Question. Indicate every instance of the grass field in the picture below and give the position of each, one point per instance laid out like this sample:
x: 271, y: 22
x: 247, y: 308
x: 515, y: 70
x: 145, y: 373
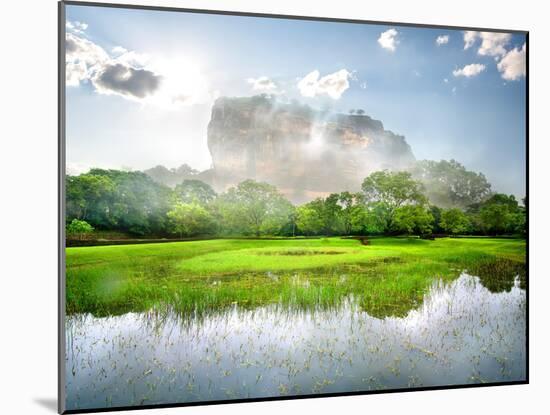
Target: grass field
x: 387, y: 277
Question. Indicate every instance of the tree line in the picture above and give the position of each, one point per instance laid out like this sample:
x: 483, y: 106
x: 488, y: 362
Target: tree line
x: 389, y: 203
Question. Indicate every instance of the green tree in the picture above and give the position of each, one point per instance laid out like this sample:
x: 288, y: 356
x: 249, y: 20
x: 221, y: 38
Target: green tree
x: 391, y: 191
x: 331, y: 212
x: 495, y: 218
x: 309, y: 220
x: 128, y: 201
x: 88, y: 197
x: 449, y: 184
x: 78, y: 229
x: 254, y: 208
x: 499, y: 214
x: 376, y: 221
x: 436, y: 213
x: 454, y: 221
x: 190, y: 219
x: 192, y: 189
x: 412, y: 219
x: 323, y: 216
x: 355, y: 217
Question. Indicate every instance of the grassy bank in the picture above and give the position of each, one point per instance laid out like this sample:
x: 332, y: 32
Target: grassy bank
x: 387, y: 277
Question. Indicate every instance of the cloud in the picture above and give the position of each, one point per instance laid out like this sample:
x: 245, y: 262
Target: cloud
x: 132, y: 58
x: 119, y: 50
x: 126, y: 81
x: 469, y: 38
x: 76, y: 27
x: 513, y: 66
x: 263, y: 84
x: 470, y: 70
x: 492, y: 43
x: 333, y: 85
x: 83, y: 59
x: 388, y: 39
x: 134, y: 76
x: 442, y: 40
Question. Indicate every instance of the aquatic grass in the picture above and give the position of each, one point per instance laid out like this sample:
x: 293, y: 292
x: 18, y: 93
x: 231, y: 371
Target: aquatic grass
x: 388, y: 277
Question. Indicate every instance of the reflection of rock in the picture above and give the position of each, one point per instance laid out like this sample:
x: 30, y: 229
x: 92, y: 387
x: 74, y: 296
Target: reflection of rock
x: 306, y: 153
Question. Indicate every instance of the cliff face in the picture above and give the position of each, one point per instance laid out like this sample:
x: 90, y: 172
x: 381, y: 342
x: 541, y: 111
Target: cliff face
x: 305, y: 153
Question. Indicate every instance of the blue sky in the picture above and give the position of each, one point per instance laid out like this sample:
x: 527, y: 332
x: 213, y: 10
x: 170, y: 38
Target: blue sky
x: 462, y: 97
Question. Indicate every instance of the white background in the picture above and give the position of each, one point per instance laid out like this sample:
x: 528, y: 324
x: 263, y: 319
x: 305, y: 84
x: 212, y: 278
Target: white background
x: 28, y: 204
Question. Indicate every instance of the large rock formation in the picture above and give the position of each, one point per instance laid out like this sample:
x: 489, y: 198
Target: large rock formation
x: 305, y: 153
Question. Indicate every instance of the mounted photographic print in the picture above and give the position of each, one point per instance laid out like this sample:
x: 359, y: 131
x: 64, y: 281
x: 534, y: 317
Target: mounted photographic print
x: 258, y: 207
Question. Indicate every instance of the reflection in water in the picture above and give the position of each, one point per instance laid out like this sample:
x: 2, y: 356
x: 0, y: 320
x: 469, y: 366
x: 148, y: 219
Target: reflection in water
x: 461, y: 334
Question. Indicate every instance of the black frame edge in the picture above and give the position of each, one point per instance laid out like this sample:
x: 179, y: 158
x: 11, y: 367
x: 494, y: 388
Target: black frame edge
x: 286, y: 16
x: 61, y: 209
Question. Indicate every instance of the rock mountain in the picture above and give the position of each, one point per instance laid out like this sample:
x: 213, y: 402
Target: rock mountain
x: 306, y: 153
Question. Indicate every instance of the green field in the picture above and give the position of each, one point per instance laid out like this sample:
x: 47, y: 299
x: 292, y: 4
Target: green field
x: 387, y: 277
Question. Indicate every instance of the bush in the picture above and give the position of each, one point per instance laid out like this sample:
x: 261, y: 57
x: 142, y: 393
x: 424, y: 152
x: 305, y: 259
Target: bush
x: 78, y: 229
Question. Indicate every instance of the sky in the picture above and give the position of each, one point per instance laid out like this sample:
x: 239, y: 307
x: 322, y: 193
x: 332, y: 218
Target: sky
x: 141, y: 84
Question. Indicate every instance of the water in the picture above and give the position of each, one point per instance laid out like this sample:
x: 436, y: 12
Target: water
x: 462, y: 333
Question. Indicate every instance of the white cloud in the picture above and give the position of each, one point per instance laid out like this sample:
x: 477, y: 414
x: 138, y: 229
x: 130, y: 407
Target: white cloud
x: 263, y: 84
x: 134, y: 76
x: 470, y: 70
x: 492, y: 43
x: 333, y: 85
x: 513, y: 66
x: 363, y: 85
x: 445, y: 80
x: 83, y: 59
x: 119, y: 50
x: 76, y: 27
x: 442, y: 40
x: 469, y: 39
x: 132, y: 58
x: 389, y: 39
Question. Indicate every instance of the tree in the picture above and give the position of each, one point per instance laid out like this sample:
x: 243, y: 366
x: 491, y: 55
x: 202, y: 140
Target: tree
x: 309, y: 220
x: 190, y: 190
x: 436, y: 214
x: 454, y: 221
x: 500, y: 214
x: 171, y: 177
x: 119, y: 200
x: 495, y: 218
x: 360, y: 111
x: 88, y: 197
x: 331, y: 212
x: 139, y: 204
x: 79, y: 229
x: 353, y: 213
x: 391, y: 191
x: 412, y: 219
x: 449, y: 184
x: 254, y: 208
x: 323, y: 216
x: 190, y: 219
